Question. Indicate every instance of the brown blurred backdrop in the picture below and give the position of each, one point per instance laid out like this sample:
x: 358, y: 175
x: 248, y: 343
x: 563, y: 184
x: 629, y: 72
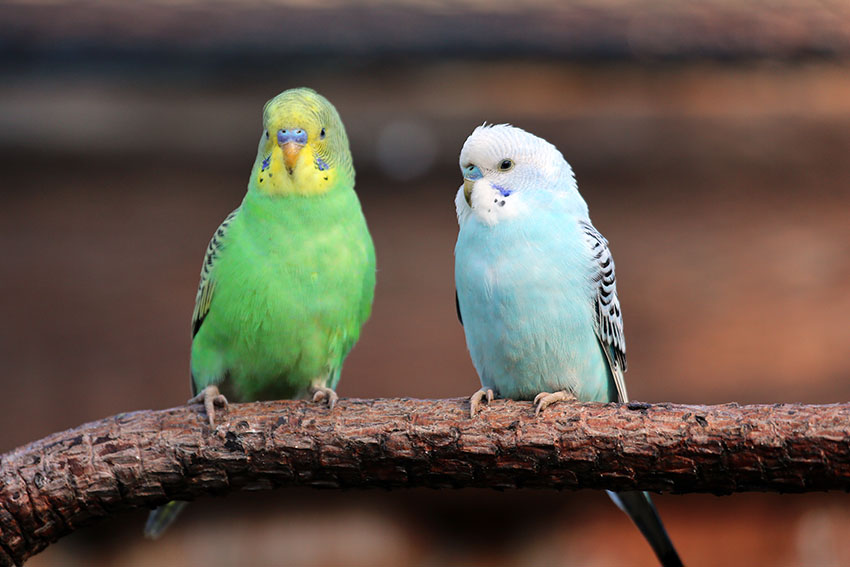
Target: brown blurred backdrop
x: 712, y: 144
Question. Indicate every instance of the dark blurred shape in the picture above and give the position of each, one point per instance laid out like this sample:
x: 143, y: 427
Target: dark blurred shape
x: 216, y: 36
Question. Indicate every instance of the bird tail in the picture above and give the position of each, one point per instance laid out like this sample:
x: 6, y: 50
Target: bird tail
x: 639, y: 507
x: 162, y: 517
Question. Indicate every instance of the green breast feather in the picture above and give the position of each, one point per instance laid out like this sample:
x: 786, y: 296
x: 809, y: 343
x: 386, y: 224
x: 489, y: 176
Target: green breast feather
x: 286, y: 286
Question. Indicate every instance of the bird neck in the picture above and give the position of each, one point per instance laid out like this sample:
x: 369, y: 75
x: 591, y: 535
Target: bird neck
x: 264, y: 211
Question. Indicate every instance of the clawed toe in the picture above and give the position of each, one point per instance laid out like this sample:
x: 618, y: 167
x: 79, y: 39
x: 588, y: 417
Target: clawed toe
x: 327, y: 395
x: 477, y: 400
x: 539, y: 396
x: 545, y: 399
x: 210, y: 397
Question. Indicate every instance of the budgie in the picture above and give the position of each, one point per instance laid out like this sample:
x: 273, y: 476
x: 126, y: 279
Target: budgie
x: 536, y: 291
x: 289, y: 277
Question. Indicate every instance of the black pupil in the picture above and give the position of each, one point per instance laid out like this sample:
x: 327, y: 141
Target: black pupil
x: 322, y: 133
x: 506, y: 164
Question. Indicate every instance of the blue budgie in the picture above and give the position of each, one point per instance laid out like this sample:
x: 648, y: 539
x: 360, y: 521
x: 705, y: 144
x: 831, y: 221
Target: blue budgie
x: 536, y: 292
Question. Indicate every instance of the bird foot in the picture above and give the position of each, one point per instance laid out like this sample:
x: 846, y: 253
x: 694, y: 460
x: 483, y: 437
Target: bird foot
x: 210, y: 397
x: 476, y: 400
x: 323, y: 394
x: 545, y: 399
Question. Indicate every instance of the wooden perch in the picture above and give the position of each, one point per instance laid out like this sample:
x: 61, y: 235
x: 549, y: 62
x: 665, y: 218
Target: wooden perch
x: 53, y: 486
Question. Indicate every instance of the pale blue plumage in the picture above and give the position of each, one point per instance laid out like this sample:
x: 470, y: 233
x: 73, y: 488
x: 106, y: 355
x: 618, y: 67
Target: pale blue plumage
x: 536, y: 289
x: 526, y: 290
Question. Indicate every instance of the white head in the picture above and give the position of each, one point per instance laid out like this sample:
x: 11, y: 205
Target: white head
x: 505, y: 169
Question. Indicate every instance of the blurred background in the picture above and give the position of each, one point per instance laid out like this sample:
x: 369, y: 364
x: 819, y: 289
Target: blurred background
x: 711, y: 141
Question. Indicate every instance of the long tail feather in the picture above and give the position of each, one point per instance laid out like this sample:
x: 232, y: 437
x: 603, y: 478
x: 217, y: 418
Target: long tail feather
x: 639, y: 507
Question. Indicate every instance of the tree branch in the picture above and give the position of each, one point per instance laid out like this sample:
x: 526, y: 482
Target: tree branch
x: 53, y: 486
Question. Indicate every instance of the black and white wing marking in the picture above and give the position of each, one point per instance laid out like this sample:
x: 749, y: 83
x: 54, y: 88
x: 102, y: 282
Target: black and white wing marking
x: 608, y: 317
x: 206, y: 287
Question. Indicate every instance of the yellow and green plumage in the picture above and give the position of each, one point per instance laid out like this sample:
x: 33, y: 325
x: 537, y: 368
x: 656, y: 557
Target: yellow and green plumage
x: 289, y: 276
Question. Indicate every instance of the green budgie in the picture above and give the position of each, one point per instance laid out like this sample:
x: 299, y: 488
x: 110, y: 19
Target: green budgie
x: 289, y: 276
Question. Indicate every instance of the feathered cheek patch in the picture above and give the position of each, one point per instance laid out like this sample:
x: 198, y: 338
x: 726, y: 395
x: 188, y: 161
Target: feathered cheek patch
x: 490, y: 202
x: 500, y: 198
x: 504, y: 192
x: 486, y: 190
x: 481, y: 194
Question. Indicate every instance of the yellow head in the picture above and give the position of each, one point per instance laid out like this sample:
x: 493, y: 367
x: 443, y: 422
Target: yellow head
x: 303, y: 149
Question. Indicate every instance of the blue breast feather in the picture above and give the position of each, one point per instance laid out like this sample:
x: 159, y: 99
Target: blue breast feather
x: 526, y: 295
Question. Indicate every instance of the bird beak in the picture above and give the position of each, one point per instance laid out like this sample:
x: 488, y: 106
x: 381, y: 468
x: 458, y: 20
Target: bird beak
x: 291, y: 151
x: 291, y: 141
x: 467, y: 190
x: 471, y: 174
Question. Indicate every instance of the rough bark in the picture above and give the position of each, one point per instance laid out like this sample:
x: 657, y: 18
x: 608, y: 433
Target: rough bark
x: 50, y: 487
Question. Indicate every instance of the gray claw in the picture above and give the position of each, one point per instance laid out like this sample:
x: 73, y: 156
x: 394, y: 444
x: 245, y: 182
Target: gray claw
x: 475, y: 401
x: 210, y: 397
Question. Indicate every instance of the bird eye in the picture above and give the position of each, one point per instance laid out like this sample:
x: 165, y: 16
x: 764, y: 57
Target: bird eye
x: 267, y: 133
x: 322, y: 134
x: 506, y: 165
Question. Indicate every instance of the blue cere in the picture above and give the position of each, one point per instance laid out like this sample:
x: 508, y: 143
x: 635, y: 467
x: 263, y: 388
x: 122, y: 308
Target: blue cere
x: 297, y: 135
x: 472, y: 172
